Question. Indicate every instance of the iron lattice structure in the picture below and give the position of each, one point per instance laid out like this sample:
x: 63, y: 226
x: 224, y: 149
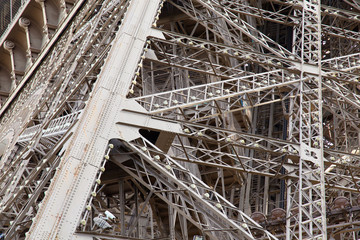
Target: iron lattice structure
x: 180, y: 119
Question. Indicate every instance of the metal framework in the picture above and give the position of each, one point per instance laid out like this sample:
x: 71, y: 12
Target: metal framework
x: 180, y: 119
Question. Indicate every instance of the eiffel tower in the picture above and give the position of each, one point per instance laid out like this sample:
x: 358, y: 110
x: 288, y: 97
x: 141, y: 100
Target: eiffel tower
x: 179, y: 119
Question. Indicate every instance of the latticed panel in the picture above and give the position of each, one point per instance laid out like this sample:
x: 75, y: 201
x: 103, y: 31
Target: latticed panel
x: 8, y: 11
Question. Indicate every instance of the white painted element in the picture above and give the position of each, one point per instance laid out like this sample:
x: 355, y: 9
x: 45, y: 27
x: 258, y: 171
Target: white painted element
x: 129, y: 122
x: 56, y: 127
x: 150, y: 54
x: 157, y: 33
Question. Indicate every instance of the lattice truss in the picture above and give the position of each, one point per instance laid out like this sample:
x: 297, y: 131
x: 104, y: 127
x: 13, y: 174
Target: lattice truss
x: 246, y: 117
x: 55, y: 97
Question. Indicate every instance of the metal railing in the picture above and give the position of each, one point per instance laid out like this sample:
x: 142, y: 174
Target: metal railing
x: 56, y: 126
x: 9, y: 10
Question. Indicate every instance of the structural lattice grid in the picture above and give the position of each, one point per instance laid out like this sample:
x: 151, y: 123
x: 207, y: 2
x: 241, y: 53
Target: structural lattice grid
x: 9, y: 10
x: 216, y: 119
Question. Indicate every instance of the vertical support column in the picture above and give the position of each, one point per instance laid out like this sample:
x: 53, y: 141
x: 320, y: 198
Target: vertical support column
x: 171, y: 219
x: 151, y: 223
x: 122, y: 206
x: 290, y: 229
x: 184, y: 226
x: 247, y: 207
x: 45, y: 26
x: 63, y: 8
x: 136, y: 211
x: 306, y: 200
x: 24, y: 23
x: 9, y: 46
x: 265, y: 203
